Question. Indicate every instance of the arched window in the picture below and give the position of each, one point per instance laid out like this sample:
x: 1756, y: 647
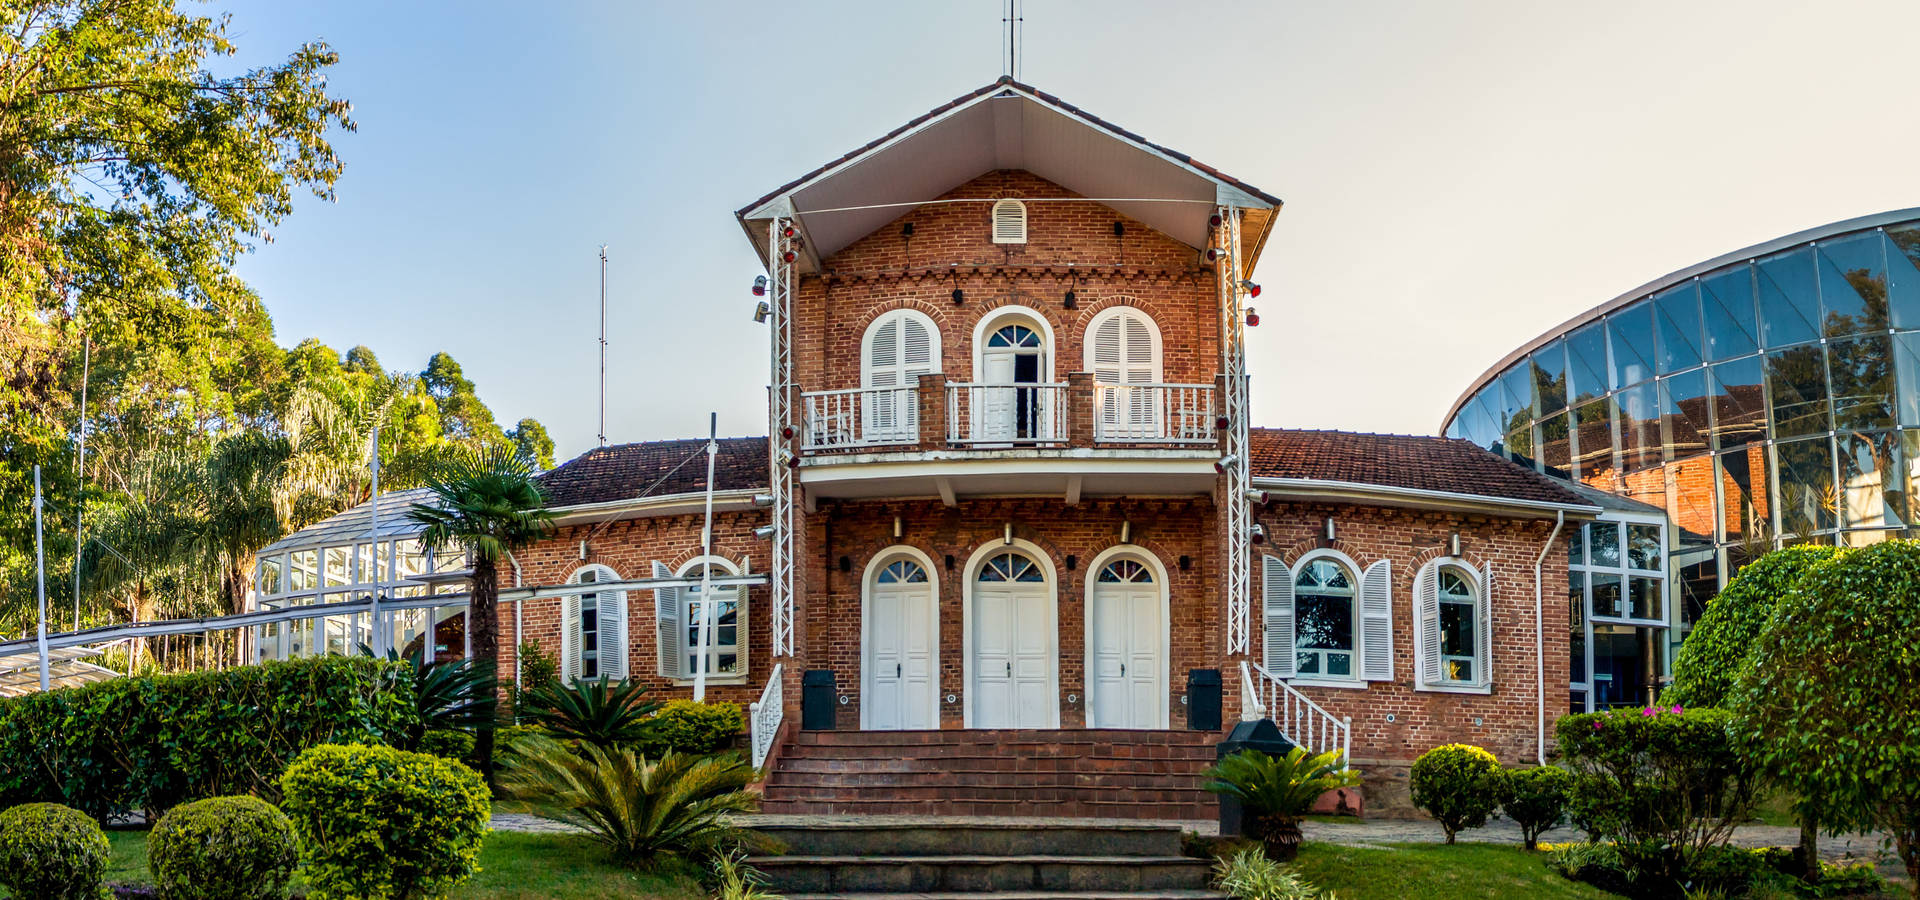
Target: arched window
x: 898, y: 348
x: 1454, y: 625
x: 902, y: 571
x: 1011, y: 567
x: 726, y: 651
x: 1324, y: 595
x: 1009, y: 222
x: 1123, y: 353
x: 593, y: 628
x: 1126, y: 571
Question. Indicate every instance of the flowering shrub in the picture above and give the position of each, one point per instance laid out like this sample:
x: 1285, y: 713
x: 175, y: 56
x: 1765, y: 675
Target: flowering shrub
x: 1458, y: 784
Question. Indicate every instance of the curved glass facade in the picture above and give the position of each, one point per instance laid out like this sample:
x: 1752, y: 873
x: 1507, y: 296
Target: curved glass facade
x: 1769, y: 397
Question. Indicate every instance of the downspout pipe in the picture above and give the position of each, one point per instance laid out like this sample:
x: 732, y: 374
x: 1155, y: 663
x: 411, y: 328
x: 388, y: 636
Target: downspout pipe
x: 1540, y: 641
x: 519, y: 620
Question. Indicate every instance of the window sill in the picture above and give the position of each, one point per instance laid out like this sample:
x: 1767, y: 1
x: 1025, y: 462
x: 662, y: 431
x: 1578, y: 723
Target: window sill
x: 1298, y: 681
x: 714, y: 680
x: 1482, y: 689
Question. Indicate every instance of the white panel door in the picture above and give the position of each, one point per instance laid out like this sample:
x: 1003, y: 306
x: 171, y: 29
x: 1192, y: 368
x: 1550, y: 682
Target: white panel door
x: 996, y: 620
x: 1033, y: 639
x: 900, y: 657
x: 1127, y: 665
x: 994, y: 411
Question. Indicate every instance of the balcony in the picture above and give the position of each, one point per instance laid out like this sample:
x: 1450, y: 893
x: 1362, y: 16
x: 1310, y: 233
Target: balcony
x: 941, y: 415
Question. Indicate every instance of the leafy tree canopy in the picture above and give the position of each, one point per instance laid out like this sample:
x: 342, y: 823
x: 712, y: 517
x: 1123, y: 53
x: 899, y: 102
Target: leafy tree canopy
x: 1718, y: 647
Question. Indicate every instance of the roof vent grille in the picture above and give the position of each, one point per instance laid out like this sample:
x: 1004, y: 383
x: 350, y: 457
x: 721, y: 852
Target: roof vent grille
x: 1009, y: 222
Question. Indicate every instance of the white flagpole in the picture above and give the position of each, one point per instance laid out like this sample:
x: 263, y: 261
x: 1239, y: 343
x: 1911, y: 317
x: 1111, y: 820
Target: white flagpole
x: 378, y: 636
x: 701, y: 662
x: 40, y: 562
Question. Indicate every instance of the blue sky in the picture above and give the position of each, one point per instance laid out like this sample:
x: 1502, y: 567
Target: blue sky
x: 1467, y: 173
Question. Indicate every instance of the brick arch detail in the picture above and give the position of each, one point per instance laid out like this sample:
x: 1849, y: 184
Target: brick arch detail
x: 1093, y: 307
x: 1473, y: 557
x: 1297, y: 549
x: 919, y: 305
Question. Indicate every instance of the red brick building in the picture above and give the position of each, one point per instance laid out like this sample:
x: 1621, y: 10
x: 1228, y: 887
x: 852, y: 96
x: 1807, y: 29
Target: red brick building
x: 1010, y: 499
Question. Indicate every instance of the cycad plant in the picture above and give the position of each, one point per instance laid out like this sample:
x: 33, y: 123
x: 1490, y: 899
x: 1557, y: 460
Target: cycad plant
x: 599, y: 711
x: 641, y: 810
x: 451, y: 695
x: 1276, y: 792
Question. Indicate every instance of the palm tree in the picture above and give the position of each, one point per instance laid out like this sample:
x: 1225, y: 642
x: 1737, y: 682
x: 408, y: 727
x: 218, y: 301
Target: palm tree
x: 488, y: 502
x: 241, y: 487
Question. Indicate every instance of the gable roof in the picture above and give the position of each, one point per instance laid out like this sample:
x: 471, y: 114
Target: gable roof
x: 1400, y: 462
x: 658, y: 468
x: 1007, y: 125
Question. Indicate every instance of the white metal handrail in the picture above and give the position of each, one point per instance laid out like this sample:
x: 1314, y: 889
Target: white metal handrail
x: 1006, y: 413
x: 1302, y: 721
x: 764, y: 717
x: 1153, y: 413
x: 859, y: 417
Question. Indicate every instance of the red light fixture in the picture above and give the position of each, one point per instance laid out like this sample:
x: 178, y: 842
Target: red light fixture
x: 1214, y: 254
x: 788, y: 231
x: 760, y: 286
x: 1220, y: 422
x: 788, y: 256
x: 1253, y: 290
x: 786, y: 433
x: 1213, y: 221
x: 1253, y: 318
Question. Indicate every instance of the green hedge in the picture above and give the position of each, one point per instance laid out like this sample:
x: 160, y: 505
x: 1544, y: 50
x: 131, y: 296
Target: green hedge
x: 150, y: 742
x: 385, y: 824
x: 685, y: 726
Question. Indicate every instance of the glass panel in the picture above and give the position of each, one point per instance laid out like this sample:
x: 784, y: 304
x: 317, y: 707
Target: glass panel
x: 1789, y: 302
x: 1549, y: 367
x: 1697, y: 585
x: 449, y: 559
x: 1863, y: 385
x: 1906, y: 358
x: 1807, y: 498
x: 303, y: 570
x: 1726, y: 305
x: 1677, y: 322
x: 1630, y: 332
x: 337, y: 559
x: 1554, y: 445
x: 1603, y: 545
x: 1739, y: 402
x: 1594, y: 442
x: 1456, y: 640
x: 1519, y: 446
x: 1577, y: 546
x: 1797, y: 386
x: 1639, y: 413
x: 1684, y: 423
x: 1577, y: 701
x: 412, y: 560
x: 1902, y: 246
x: 1643, y: 599
x: 1577, y: 626
x: 1853, y: 285
x: 1644, y: 550
x: 1873, y: 493
x: 1626, y: 664
x: 1516, y: 398
x: 269, y: 582
x: 1479, y: 426
x: 1606, y: 595
x: 1691, y: 504
x: 1587, y: 363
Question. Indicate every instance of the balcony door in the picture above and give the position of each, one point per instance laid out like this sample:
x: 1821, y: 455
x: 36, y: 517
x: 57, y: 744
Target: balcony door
x: 900, y: 346
x: 1123, y: 353
x: 1010, y: 408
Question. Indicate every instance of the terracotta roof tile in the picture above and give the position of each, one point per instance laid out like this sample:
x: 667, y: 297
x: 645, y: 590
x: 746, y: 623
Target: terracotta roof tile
x: 1398, y: 460
x: 657, y: 468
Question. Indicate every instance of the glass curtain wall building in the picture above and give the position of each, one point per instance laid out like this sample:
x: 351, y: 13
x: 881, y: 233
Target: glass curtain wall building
x: 1767, y: 397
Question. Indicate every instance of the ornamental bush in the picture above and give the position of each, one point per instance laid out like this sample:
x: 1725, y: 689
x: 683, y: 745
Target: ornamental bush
x: 1458, y: 785
x: 1827, y: 708
x: 456, y: 745
x: 150, y: 742
x: 384, y: 824
x: 223, y: 848
x: 52, y: 852
x: 1664, y: 783
x: 1719, y: 645
x: 1535, y: 799
x: 686, y: 726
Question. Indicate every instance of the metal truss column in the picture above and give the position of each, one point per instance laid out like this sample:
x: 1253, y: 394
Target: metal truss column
x: 781, y: 253
x: 1233, y: 362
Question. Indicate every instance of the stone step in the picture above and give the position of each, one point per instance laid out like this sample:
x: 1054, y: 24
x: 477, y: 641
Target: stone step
x: 1013, y: 806
x: 1024, y: 895
x: 898, y: 838
x: 1037, y: 753
x: 996, y: 765
x: 1103, y: 875
x: 998, y: 779
x: 915, y: 791
x: 1011, y: 735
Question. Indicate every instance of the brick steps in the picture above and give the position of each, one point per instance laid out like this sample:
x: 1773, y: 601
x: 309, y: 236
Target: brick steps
x: 1059, y: 773
x: 980, y: 874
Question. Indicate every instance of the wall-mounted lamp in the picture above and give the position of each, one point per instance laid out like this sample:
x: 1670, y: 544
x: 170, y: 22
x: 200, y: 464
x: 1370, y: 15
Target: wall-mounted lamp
x: 1070, y: 301
x: 583, y: 550
x: 1330, y: 528
x: 1214, y: 254
x: 1253, y: 317
x: 1226, y: 462
x: 1257, y: 534
x: 1126, y: 532
x: 759, y: 285
x: 1258, y: 496
x: 1119, y: 229
x: 899, y: 528
x: 761, y: 312
x: 1007, y: 538
x: 1073, y: 562
x: 763, y: 500
x: 1186, y: 562
x: 1453, y: 544
x: 906, y: 230
x: 764, y: 532
x: 1253, y: 290
x: 959, y: 296
x: 949, y: 562
x: 846, y: 564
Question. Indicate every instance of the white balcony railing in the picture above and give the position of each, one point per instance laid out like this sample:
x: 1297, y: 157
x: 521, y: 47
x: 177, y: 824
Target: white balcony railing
x: 764, y: 717
x: 859, y: 417
x: 1010, y: 414
x: 1304, y: 722
x: 1153, y: 413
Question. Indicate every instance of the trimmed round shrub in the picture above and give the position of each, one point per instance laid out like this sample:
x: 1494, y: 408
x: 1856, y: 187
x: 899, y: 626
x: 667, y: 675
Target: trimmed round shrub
x: 1458, y: 785
x: 448, y: 744
x: 1536, y: 800
x: 686, y: 726
x: 1718, y: 647
x: 223, y: 848
x: 375, y: 822
x: 52, y: 852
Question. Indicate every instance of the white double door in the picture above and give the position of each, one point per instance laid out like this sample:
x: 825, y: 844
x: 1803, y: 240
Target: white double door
x: 902, y: 690
x: 1127, y: 683
x: 1014, y: 649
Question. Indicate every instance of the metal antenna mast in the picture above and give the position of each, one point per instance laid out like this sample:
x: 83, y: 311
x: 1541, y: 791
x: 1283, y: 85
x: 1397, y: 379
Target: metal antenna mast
x: 603, y: 345
x: 1011, y: 52
x: 40, y: 569
x: 80, y: 477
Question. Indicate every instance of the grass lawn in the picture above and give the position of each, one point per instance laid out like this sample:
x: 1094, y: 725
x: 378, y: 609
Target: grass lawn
x: 514, y: 866
x: 1436, y: 872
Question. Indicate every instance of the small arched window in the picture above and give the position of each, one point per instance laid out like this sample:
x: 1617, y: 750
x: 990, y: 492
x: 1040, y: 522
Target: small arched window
x: 593, y: 629
x: 1454, y: 625
x: 904, y: 571
x: 1011, y: 567
x: 1009, y: 222
x: 899, y: 347
x: 1126, y: 571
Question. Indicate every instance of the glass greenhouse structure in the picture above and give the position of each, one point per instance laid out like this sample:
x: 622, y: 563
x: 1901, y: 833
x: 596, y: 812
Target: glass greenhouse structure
x: 344, y: 558
x: 1767, y: 397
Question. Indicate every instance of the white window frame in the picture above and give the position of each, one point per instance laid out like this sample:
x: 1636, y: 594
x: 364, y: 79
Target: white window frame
x: 721, y: 566
x: 1357, y: 676
x: 610, y: 631
x: 1427, y: 645
x: 891, y: 411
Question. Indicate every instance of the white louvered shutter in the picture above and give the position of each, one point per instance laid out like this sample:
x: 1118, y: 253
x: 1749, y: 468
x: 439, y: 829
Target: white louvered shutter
x: 1484, y: 640
x: 613, y: 634
x: 1376, y: 622
x: 570, y: 637
x: 1426, y: 606
x: 901, y: 349
x: 1123, y: 353
x: 1009, y: 222
x: 669, y: 605
x: 1276, y: 582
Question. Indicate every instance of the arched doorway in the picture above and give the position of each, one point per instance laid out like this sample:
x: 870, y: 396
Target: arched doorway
x: 900, y: 641
x: 1012, y: 640
x: 1013, y: 359
x: 1127, y: 642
